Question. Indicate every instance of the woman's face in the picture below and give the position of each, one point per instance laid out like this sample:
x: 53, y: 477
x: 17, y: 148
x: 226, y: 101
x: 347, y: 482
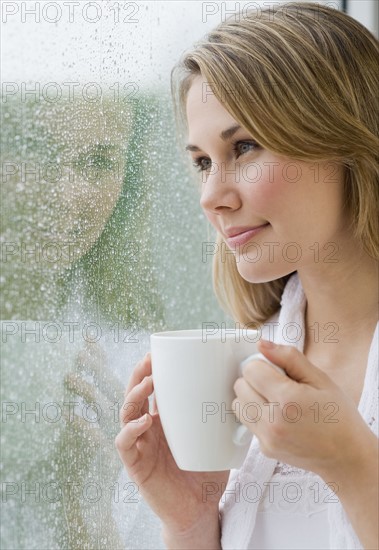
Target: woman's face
x: 62, y: 208
x: 244, y: 186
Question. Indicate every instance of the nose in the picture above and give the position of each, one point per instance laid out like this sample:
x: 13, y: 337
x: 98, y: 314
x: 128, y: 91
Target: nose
x: 219, y: 191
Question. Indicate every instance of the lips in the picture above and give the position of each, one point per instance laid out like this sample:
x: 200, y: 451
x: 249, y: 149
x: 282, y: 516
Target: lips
x: 240, y: 236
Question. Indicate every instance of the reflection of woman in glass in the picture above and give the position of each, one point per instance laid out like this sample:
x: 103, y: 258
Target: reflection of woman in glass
x: 72, y: 257
x: 282, y: 121
x: 74, y: 195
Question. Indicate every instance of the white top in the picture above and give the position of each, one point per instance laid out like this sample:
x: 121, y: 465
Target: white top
x: 292, y: 512
x: 238, y: 515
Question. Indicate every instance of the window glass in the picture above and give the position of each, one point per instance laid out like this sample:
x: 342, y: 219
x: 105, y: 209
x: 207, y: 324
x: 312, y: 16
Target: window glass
x: 102, y: 243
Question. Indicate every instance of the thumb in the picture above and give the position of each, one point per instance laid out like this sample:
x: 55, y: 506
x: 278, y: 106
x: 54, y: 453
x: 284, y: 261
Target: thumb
x: 154, y: 408
x: 293, y: 362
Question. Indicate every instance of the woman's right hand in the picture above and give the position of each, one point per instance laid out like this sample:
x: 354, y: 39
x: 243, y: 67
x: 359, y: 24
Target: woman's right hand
x: 181, y: 499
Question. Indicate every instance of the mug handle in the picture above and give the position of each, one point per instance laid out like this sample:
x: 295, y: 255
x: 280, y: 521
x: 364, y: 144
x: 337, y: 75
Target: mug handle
x: 242, y: 435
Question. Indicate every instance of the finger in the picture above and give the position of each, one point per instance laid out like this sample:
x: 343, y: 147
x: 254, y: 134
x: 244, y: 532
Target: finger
x: 105, y: 379
x: 96, y: 409
x: 90, y: 393
x: 142, y: 369
x: 296, y: 365
x: 265, y: 380
x: 249, y: 406
x: 246, y: 393
x: 136, y: 402
x: 93, y: 360
x: 90, y: 357
x: 250, y: 403
x: 154, y: 407
x: 75, y: 383
x: 126, y: 439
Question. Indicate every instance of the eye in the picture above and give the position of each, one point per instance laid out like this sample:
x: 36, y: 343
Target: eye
x: 244, y: 146
x: 240, y: 147
x: 100, y: 156
x: 200, y: 165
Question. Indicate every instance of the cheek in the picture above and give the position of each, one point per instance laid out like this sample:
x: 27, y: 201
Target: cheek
x: 268, y: 190
x: 299, y: 198
x: 211, y: 218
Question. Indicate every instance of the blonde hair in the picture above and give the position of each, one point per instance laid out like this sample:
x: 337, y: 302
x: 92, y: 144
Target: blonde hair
x: 302, y: 78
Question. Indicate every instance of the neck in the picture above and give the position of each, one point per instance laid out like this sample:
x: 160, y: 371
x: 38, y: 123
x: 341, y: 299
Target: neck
x: 342, y: 299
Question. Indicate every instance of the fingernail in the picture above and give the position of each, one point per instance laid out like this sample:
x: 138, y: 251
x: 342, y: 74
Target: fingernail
x: 268, y: 344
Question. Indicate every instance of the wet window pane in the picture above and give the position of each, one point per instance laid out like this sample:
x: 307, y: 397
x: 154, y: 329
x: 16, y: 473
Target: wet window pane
x: 102, y: 242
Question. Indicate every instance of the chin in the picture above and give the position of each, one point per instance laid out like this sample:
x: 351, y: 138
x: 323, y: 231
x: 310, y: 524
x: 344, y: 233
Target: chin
x: 265, y: 273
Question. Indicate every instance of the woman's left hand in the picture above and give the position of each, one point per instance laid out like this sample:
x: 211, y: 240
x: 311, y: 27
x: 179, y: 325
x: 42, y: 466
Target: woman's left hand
x: 303, y: 419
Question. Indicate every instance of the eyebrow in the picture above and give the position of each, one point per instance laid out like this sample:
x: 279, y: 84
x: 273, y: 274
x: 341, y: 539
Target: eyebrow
x: 225, y: 135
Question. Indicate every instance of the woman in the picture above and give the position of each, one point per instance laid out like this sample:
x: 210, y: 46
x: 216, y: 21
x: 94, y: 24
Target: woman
x: 65, y: 269
x: 281, y: 117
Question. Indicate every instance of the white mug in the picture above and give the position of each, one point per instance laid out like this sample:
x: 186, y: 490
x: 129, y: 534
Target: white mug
x: 193, y: 375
